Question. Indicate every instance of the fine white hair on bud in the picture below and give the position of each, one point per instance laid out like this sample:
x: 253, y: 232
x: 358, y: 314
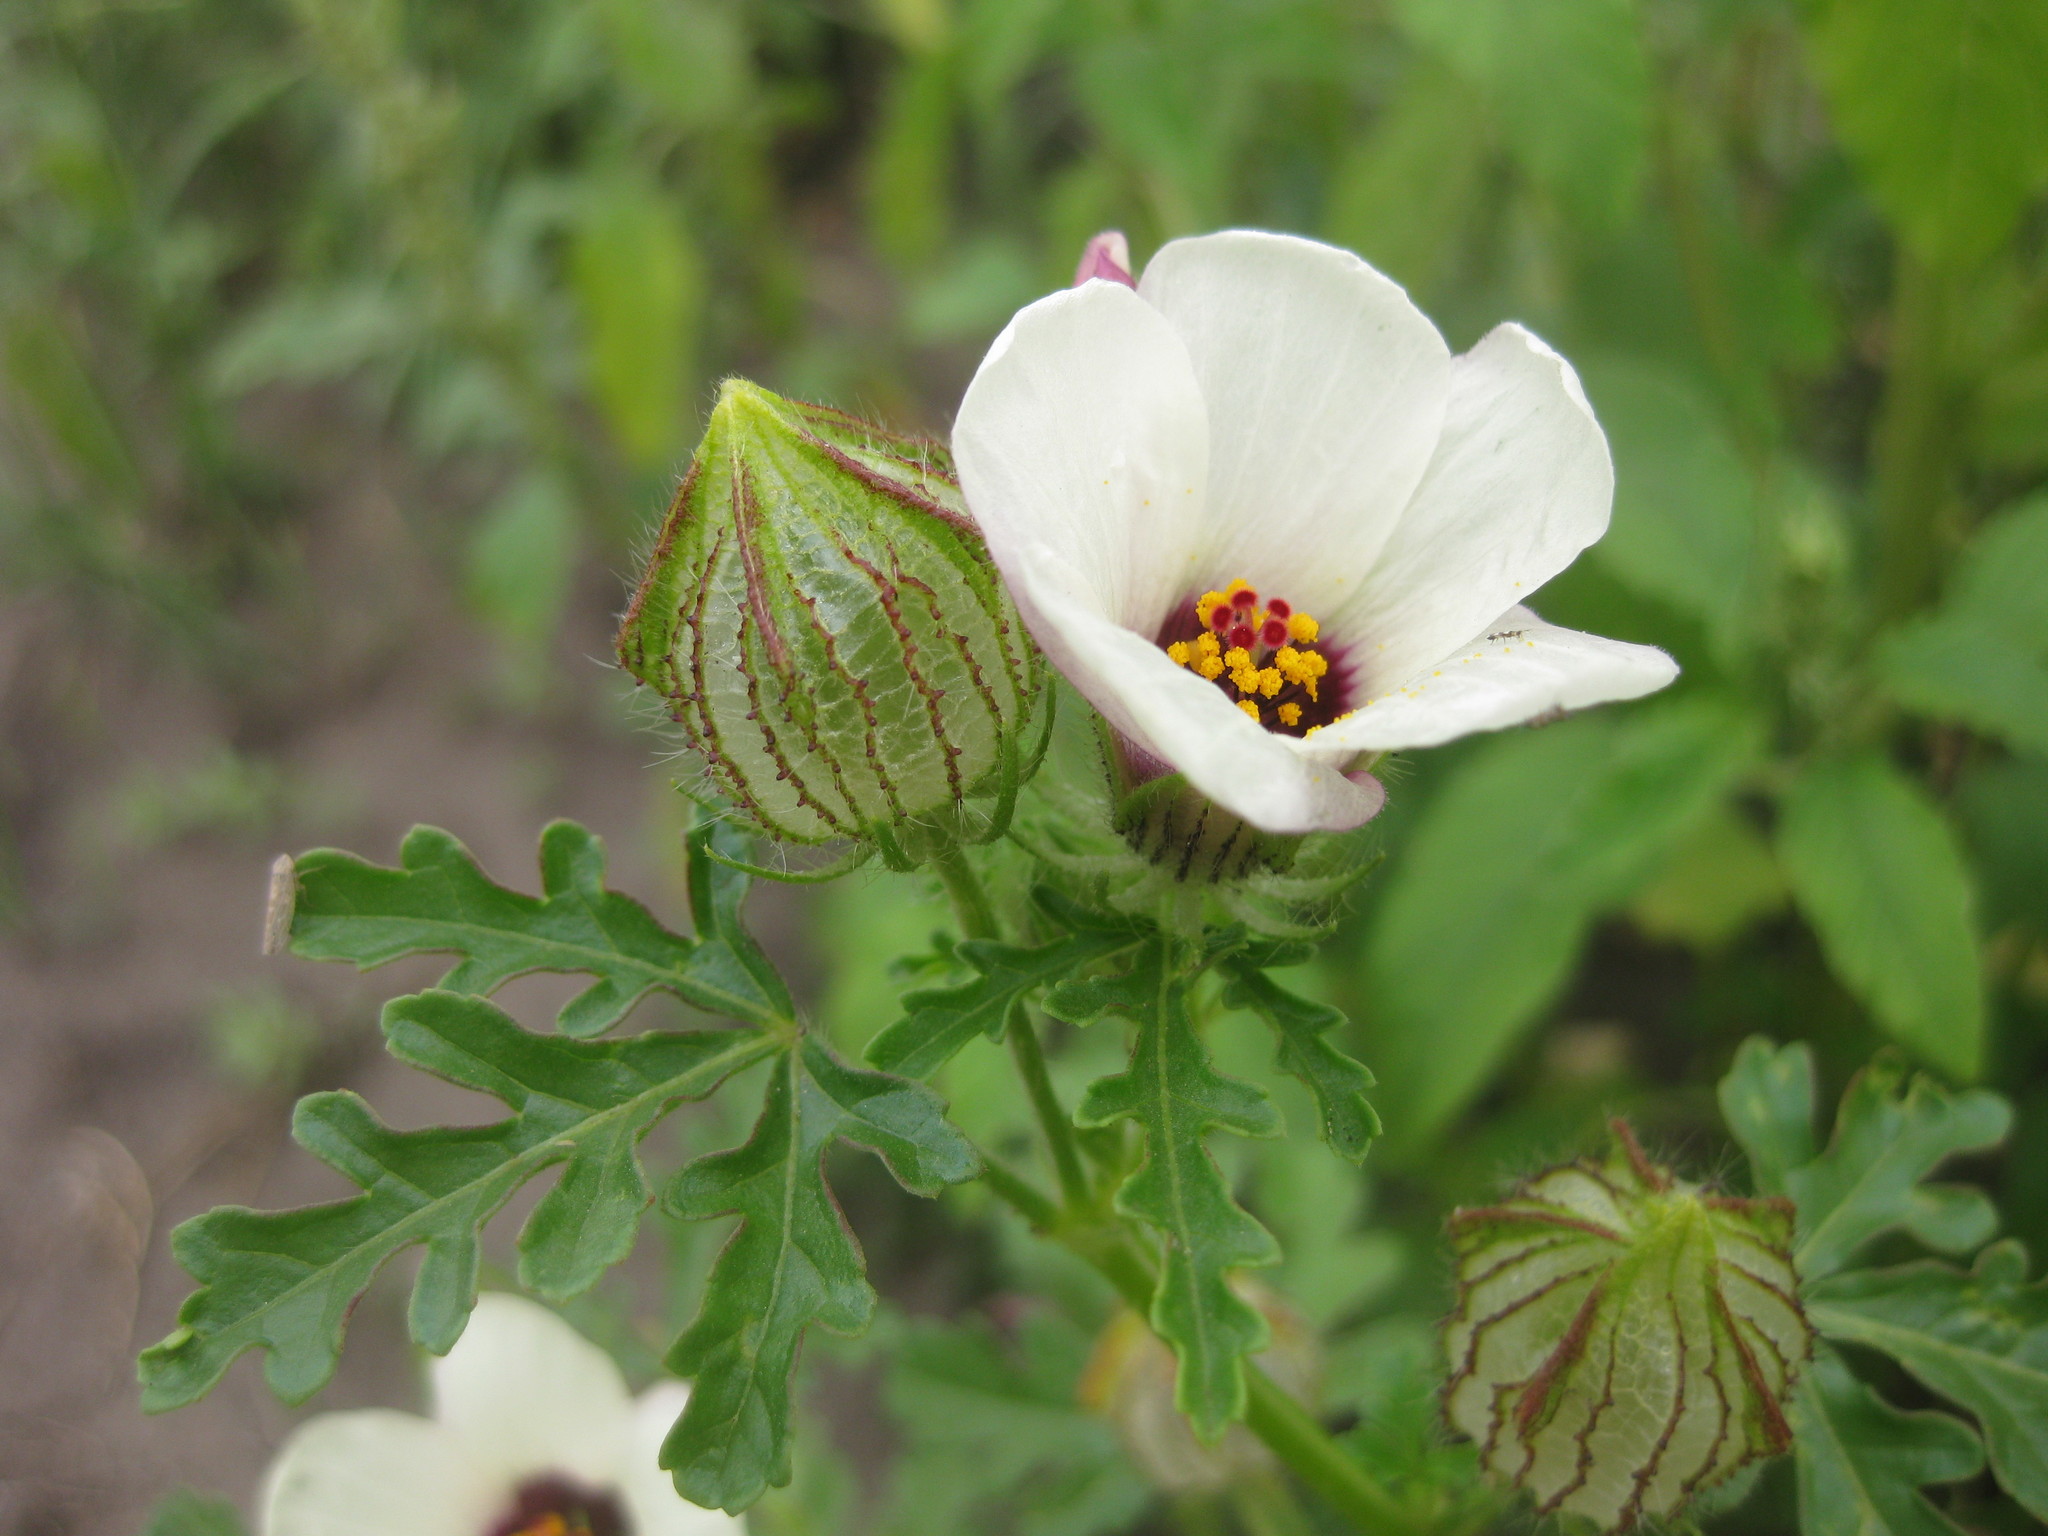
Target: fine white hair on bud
x: 1622, y: 1339
x: 827, y: 630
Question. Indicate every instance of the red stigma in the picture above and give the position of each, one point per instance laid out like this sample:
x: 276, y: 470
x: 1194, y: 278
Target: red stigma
x: 1274, y: 632
x: 1279, y: 608
x: 1220, y: 618
x: 1241, y: 637
x: 1244, y: 598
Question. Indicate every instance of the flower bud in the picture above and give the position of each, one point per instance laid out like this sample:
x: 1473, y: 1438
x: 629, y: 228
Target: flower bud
x: 1622, y: 1339
x: 1107, y: 256
x: 827, y: 629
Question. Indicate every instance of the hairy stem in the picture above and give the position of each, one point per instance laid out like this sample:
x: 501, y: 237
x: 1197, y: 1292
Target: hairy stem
x: 1057, y: 1124
x: 1020, y: 1195
x: 1291, y: 1433
x: 977, y: 918
x: 971, y: 906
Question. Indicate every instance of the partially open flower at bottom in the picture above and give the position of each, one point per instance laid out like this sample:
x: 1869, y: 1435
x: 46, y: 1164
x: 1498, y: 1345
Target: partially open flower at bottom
x: 533, y: 1434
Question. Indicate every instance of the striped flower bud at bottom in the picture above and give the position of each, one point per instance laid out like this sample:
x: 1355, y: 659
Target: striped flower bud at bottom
x: 828, y: 631
x: 1623, y: 1340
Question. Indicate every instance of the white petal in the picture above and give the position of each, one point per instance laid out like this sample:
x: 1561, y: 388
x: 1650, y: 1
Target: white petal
x: 1083, y: 450
x: 1519, y: 669
x: 1519, y: 484
x: 650, y: 1494
x: 1185, y: 721
x: 530, y: 1394
x: 378, y: 1473
x: 1325, y: 390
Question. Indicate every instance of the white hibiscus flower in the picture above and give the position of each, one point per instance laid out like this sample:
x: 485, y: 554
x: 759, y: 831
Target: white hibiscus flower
x: 533, y: 1434
x: 1261, y: 517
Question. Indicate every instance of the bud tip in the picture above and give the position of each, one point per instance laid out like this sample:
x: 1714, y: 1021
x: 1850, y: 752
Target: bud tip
x: 1107, y: 256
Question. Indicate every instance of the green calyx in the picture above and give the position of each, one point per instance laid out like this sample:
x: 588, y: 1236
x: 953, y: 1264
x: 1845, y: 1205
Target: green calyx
x: 830, y: 634
x: 1623, y: 1340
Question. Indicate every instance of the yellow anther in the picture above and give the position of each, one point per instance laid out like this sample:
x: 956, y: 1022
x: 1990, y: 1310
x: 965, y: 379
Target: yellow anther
x: 1315, y: 663
x: 1181, y: 652
x: 1210, y: 666
x: 1270, y: 681
x: 1246, y: 679
x: 1208, y: 644
x: 1236, y: 586
x: 1290, y: 715
x: 1237, y: 658
x: 1249, y: 708
x: 1302, y: 628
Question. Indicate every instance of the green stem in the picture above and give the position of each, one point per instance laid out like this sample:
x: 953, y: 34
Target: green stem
x: 1021, y: 1196
x: 977, y: 918
x: 1291, y: 1433
x: 1057, y: 1124
x: 1910, y: 456
x: 964, y: 889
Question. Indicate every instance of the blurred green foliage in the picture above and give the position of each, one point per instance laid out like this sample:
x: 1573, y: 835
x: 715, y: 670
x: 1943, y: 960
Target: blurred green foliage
x: 1798, y: 248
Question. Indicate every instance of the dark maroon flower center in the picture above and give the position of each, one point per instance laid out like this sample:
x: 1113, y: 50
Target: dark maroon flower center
x: 554, y: 1505
x: 1266, y: 657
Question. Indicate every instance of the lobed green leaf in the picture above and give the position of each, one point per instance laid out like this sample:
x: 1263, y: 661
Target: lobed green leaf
x: 1862, y: 1463
x: 793, y: 1261
x: 1891, y: 1132
x: 1767, y: 1100
x: 440, y: 901
x: 1979, y: 1338
x: 1301, y: 1027
x: 285, y: 1281
x: 1176, y: 1096
x: 938, y: 1021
